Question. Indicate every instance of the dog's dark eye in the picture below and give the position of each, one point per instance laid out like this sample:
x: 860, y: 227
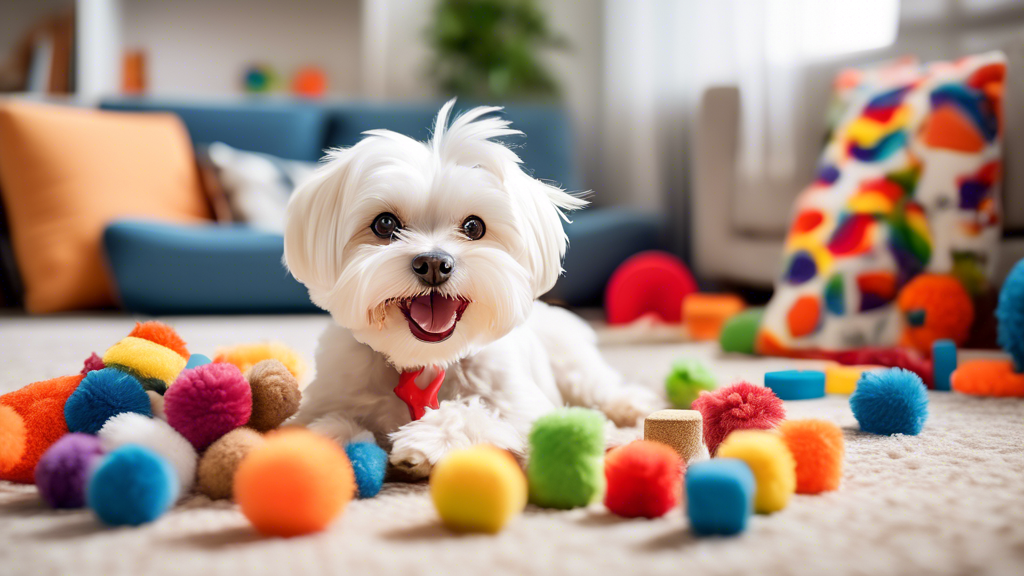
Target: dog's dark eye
x: 385, y: 225
x: 474, y: 228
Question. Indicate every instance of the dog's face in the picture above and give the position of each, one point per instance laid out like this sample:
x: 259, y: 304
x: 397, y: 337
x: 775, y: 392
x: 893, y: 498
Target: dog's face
x: 427, y: 251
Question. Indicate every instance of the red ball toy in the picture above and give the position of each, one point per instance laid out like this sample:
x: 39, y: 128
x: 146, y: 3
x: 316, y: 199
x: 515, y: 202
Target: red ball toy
x: 648, y: 282
x: 207, y: 402
x: 644, y: 479
x: 739, y: 406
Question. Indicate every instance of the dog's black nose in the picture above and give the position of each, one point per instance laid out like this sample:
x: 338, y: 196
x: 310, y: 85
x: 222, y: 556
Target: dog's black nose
x: 433, y: 268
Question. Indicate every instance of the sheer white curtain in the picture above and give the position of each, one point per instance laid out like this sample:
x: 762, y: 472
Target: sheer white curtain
x: 661, y: 54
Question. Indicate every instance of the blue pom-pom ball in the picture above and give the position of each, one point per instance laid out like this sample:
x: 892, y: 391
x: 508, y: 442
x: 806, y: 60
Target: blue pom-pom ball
x: 893, y: 401
x: 1010, y: 314
x: 131, y: 486
x: 369, y: 462
x: 102, y: 394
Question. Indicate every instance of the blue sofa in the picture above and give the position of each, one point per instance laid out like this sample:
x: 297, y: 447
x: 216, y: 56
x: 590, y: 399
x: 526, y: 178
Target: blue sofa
x: 176, y: 269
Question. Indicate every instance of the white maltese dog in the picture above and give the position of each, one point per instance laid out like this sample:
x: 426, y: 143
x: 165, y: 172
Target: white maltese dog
x: 430, y: 257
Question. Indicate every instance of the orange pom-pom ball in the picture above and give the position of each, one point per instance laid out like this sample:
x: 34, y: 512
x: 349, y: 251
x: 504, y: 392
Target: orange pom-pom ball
x: 162, y: 334
x: 817, y: 447
x: 935, y: 307
x: 41, y: 408
x: 296, y: 483
x: 12, y: 437
x: 988, y: 378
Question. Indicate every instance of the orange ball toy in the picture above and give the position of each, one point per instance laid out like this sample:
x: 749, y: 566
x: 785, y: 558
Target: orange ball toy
x: 32, y: 419
x: 817, y: 447
x: 297, y: 482
x: 935, y: 307
x: 988, y: 378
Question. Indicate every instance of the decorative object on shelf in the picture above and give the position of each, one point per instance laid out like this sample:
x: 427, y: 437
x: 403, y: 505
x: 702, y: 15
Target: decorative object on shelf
x: 310, y: 82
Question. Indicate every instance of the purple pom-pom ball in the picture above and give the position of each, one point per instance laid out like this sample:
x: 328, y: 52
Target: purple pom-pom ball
x: 207, y: 402
x: 63, y: 471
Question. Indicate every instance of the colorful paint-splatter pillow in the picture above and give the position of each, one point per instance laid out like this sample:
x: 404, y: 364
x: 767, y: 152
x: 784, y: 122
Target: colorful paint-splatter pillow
x: 908, y: 182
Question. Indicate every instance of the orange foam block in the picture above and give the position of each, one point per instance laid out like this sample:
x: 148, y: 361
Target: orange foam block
x: 705, y: 314
x: 31, y: 420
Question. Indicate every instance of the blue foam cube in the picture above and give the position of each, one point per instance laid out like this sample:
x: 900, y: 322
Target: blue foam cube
x: 943, y: 363
x: 719, y: 496
x: 197, y: 360
x: 796, y: 384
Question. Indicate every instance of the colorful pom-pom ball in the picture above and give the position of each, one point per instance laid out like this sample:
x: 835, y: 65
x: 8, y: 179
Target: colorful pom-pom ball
x: 131, y: 486
x: 740, y: 332
x: 154, y: 365
x: 369, y: 463
x: 935, y: 307
x: 719, y: 496
x: 478, y: 489
x: 158, y: 436
x: 63, y: 472
x: 275, y: 394
x: 817, y: 448
x: 771, y: 462
x: 219, y: 463
x: 739, y: 406
x: 650, y: 282
x: 1010, y: 315
x: 296, y: 483
x: 644, y: 479
x: 31, y: 420
x: 893, y: 401
x: 565, y: 469
x: 988, y: 377
x: 102, y: 395
x: 689, y: 377
x: 207, y: 402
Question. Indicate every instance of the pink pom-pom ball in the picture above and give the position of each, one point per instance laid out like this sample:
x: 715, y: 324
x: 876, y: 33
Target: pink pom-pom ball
x: 739, y: 406
x: 207, y: 402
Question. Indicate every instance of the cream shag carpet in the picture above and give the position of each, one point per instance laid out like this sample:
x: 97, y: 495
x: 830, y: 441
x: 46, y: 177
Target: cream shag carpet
x: 950, y: 501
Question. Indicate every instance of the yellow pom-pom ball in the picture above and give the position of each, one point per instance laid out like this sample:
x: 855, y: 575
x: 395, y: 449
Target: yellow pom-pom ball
x: 478, y: 489
x: 295, y: 483
x: 154, y: 365
x: 245, y: 356
x: 771, y: 462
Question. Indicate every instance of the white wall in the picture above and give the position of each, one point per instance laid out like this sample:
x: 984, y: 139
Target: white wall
x: 204, y: 48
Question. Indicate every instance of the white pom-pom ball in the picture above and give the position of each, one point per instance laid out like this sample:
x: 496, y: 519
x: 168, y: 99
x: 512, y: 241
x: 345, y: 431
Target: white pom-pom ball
x: 158, y: 436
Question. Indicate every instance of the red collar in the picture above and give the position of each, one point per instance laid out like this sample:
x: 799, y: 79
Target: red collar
x: 418, y: 399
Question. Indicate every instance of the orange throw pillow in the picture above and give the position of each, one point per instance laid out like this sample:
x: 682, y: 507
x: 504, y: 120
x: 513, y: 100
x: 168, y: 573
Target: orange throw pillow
x: 65, y: 173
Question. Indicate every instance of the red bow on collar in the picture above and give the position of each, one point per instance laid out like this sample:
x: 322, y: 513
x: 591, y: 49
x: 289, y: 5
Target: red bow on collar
x: 416, y: 398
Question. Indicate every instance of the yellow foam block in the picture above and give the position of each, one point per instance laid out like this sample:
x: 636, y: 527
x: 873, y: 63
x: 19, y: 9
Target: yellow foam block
x: 771, y: 462
x: 146, y: 359
x: 840, y: 379
x: 478, y: 489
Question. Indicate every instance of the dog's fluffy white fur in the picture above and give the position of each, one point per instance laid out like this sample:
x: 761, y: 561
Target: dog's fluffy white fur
x: 509, y: 360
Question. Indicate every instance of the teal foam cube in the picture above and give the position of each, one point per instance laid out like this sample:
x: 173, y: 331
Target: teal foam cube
x: 719, y: 496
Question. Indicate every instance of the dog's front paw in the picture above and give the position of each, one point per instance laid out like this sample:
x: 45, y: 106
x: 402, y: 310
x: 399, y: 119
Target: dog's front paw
x: 630, y: 404
x: 409, y: 463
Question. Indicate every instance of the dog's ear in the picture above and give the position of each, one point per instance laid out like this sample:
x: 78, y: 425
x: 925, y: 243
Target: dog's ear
x: 312, y: 239
x: 543, y: 207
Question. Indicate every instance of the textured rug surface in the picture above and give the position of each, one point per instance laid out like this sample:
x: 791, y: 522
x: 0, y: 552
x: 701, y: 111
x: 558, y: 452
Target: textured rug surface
x: 950, y: 501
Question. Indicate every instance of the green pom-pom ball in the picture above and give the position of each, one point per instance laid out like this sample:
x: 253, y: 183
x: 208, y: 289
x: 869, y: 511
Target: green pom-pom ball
x: 689, y: 377
x: 566, y: 467
x: 740, y: 331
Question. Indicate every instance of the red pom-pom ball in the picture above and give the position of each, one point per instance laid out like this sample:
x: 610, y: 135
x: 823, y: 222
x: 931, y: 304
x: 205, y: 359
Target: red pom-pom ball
x: 648, y: 282
x: 644, y: 479
x: 739, y: 406
x: 207, y: 402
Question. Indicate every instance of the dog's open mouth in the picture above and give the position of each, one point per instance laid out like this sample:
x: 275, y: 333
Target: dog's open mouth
x: 432, y: 317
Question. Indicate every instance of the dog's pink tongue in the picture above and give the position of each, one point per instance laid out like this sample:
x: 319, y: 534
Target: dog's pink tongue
x: 434, y: 312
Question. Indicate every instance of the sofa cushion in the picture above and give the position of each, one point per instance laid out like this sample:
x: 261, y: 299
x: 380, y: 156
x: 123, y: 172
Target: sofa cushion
x: 65, y: 173
x: 164, y: 268
x: 293, y: 130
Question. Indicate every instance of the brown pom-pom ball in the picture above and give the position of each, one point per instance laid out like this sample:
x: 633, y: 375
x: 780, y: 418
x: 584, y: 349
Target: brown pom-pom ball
x: 275, y: 395
x: 216, y: 472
